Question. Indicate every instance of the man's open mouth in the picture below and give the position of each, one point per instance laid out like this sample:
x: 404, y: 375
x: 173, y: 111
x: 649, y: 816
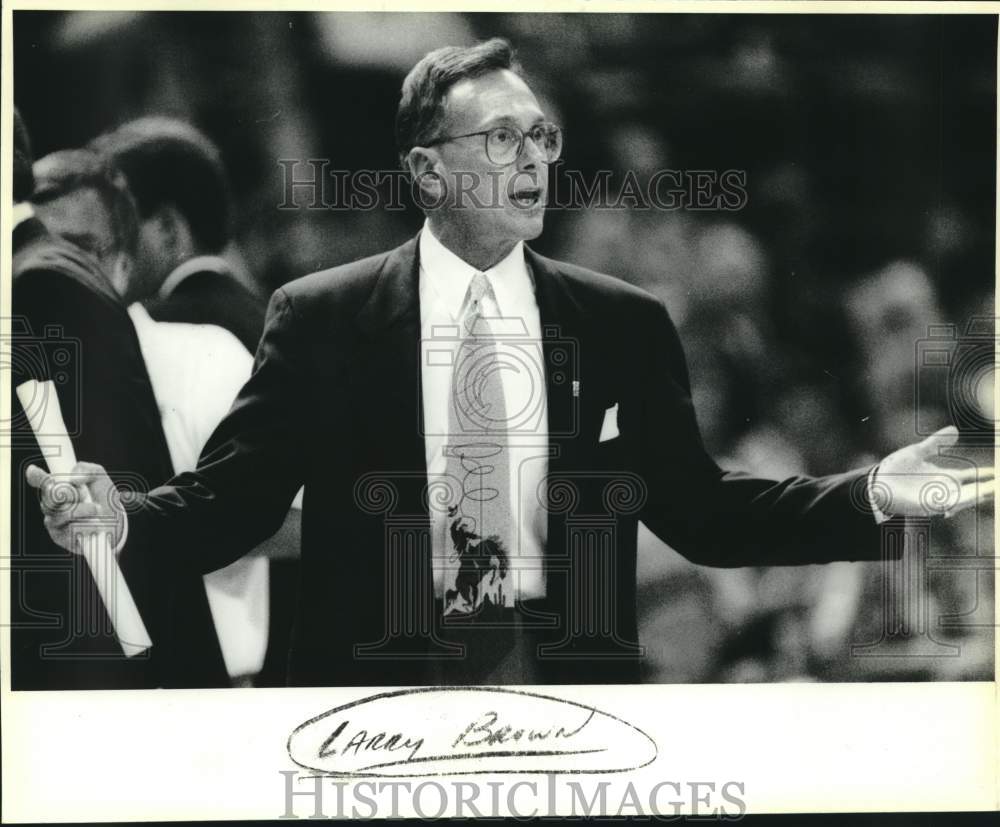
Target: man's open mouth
x: 526, y: 198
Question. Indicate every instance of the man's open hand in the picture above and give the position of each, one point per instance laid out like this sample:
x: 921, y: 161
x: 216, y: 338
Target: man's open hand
x: 71, y: 502
x: 916, y: 481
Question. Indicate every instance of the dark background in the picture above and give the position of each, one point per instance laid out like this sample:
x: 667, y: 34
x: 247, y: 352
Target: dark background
x: 869, y: 146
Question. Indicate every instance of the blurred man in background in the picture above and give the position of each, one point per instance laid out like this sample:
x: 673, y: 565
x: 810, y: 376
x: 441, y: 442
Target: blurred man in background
x: 72, y: 298
x: 188, y: 267
x: 177, y: 177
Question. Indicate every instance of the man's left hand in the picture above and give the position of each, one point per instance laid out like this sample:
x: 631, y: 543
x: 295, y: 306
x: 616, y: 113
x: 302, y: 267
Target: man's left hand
x: 914, y: 482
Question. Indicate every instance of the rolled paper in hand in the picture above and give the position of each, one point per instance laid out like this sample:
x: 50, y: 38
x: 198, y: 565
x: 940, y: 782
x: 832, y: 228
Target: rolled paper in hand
x: 96, y: 545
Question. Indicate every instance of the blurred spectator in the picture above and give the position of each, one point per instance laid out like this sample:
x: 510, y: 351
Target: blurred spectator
x: 82, y: 199
x: 605, y: 236
x: 179, y: 183
x: 889, y: 312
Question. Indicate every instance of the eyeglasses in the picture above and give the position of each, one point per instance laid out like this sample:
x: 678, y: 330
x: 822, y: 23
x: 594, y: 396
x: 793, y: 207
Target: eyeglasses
x: 504, y: 143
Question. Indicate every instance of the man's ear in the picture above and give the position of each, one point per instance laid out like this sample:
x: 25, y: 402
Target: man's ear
x: 173, y: 233
x: 427, y: 181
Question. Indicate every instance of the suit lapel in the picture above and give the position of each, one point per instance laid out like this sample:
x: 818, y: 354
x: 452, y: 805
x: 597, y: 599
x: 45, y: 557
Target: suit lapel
x: 388, y: 403
x: 390, y: 323
x: 564, y: 326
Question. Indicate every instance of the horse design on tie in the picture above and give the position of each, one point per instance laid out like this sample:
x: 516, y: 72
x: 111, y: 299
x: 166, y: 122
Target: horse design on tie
x: 481, y: 572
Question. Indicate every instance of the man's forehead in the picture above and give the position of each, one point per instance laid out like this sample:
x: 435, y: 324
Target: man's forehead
x: 474, y: 101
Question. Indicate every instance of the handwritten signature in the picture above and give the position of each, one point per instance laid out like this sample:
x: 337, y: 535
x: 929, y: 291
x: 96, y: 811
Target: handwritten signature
x: 467, y: 730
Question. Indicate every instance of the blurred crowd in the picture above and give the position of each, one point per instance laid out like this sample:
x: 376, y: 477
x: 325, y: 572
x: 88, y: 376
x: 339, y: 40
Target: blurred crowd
x: 869, y: 149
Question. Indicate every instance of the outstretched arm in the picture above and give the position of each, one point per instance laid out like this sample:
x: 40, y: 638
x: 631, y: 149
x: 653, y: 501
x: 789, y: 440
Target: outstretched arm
x: 246, y: 477
x: 734, y: 519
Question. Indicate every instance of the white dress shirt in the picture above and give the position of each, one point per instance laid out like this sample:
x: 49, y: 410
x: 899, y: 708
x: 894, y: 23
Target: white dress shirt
x: 444, y: 287
x: 196, y: 371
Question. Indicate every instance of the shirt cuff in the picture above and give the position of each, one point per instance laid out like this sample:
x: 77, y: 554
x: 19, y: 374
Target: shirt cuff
x: 124, y: 537
x: 880, y: 516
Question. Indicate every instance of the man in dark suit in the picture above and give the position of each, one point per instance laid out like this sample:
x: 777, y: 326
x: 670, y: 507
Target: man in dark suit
x: 480, y: 429
x: 70, y: 325
x: 179, y: 182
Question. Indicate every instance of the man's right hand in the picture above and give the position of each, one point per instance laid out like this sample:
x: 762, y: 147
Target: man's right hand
x: 73, y: 502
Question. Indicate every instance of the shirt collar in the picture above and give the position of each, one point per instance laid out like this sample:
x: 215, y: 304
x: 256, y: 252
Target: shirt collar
x: 21, y: 212
x: 449, y: 276
x: 140, y: 316
x: 198, y: 264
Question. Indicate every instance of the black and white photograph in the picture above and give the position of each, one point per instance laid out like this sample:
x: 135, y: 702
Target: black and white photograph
x: 467, y: 394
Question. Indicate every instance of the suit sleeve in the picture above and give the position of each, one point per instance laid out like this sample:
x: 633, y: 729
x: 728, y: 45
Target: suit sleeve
x: 250, y: 468
x: 730, y: 519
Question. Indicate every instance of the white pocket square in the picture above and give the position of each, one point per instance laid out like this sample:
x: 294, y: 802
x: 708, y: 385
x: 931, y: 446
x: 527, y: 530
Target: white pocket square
x: 609, y: 429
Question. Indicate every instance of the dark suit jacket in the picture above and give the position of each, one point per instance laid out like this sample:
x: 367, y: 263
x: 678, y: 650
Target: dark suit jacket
x: 213, y: 297
x: 335, y: 402
x: 70, y: 326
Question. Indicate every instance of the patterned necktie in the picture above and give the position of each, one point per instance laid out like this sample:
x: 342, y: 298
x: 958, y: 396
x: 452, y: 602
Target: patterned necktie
x: 479, y: 525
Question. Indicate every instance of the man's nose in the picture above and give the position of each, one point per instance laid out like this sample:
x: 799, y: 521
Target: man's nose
x: 532, y: 154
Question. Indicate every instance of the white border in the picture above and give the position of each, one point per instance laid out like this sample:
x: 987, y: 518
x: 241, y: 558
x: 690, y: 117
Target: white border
x: 179, y: 754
